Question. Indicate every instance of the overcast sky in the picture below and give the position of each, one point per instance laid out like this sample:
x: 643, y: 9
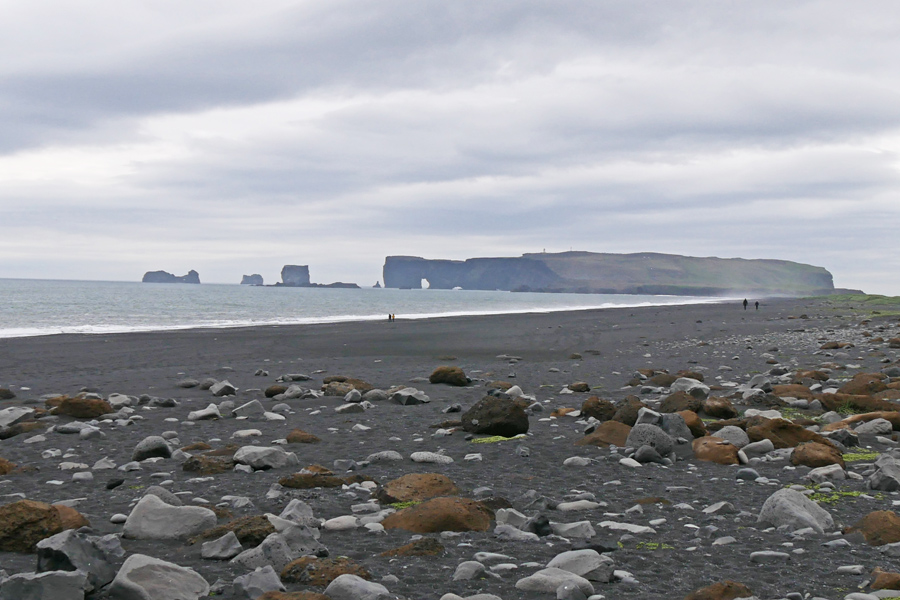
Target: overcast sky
x: 234, y: 137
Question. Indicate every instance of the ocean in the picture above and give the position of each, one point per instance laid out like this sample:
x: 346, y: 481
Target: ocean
x: 31, y: 307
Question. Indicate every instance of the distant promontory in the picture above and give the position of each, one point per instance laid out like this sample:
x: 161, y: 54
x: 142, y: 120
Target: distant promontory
x: 164, y: 277
x: 602, y: 273
x: 298, y: 276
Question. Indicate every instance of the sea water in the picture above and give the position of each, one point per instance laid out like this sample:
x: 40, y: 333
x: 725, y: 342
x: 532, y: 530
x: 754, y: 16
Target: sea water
x: 30, y: 307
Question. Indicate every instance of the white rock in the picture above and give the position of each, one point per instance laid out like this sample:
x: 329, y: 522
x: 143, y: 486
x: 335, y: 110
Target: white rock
x: 548, y: 581
x: 629, y: 527
x: 342, y: 523
x: 431, y: 457
x: 153, y: 519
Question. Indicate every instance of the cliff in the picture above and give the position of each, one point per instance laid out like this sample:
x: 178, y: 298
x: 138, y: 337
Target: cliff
x: 164, y: 277
x: 587, y: 272
x: 295, y: 275
x: 254, y: 279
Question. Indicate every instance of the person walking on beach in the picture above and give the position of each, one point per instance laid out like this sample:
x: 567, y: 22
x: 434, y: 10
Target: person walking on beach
x: 745, y: 304
x: 757, y: 304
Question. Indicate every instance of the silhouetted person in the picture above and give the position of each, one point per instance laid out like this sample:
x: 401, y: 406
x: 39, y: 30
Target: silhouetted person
x: 745, y: 304
x: 757, y: 304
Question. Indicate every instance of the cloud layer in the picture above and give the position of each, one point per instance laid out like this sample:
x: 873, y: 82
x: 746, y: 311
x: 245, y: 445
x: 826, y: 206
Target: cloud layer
x: 234, y: 138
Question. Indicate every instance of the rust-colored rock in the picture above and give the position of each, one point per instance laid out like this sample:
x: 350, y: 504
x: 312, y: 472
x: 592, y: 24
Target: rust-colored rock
x: 691, y: 375
x: 892, y: 416
x: 694, y: 423
x: 441, y: 514
x: 816, y: 375
x: 792, y: 390
x: 82, y: 408
x: 321, y: 571
x: 610, y: 433
x: 498, y: 385
x: 715, y: 449
x: 860, y: 404
x: 425, y: 546
x: 783, y: 434
x: 417, y: 487
x: 20, y: 428
x: 196, y: 447
x: 579, y: 386
x: 864, y: 384
x: 719, y: 408
x: 813, y: 454
x: 885, y: 580
x: 6, y: 467
x: 599, y: 408
x: 250, y: 531
x: 274, y: 390
x: 205, y: 464
x: 628, y: 411
x: 298, y: 436
x: 338, y: 385
x: 879, y: 527
x: 450, y: 376
x: 723, y: 590
x: 496, y: 416
x: 25, y: 523
x: 662, y: 380
x: 894, y: 342
x: 306, y: 481
x: 680, y: 401
x: 563, y: 411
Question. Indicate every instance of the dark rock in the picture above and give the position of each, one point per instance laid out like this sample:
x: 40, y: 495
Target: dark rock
x: 164, y: 277
x: 496, y: 416
x: 680, y: 401
x: 255, y: 279
x: 6, y: 394
x: 628, y: 411
x: 450, y: 376
x: 599, y: 408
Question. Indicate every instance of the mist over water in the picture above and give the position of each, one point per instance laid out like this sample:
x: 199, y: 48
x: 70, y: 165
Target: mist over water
x: 30, y: 307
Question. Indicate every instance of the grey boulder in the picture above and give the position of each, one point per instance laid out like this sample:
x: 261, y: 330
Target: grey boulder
x: 587, y: 563
x: 258, y: 582
x: 550, y: 579
x: 222, y: 388
x: 146, y: 578
x: 650, y: 435
x: 153, y: 519
x: 353, y: 587
x: 790, y: 508
x: 74, y: 551
x: 150, y: 447
x: 265, y: 457
x: 224, y: 548
x: 52, y: 585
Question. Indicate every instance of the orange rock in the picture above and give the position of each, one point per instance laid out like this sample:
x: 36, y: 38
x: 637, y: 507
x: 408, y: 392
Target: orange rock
x: 792, y: 390
x: 196, y: 446
x: 724, y: 590
x: 893, y: 416
x: 885, y: 580
x: 628, y: 411
x: 563, y: 411
x: 680, y: 401
x: 813, y: 454
x: 82, y: 408
x: 610, y: 433
x: 879, y: 527
x: 441, y: 514
x: 861, y: 404
x: 25, y: 523
x: 417, y: 487
x: 321, y: 571
x: 662, y: 380
x: 450, y: 376
x: 715, y: 449
x: 599, y: 408
x: 783, y: 434
x: 719, y: 408
x: 298, y: 436
x: 694, y: 423
x: 6, y: 467
x: 425, y: 546
x: 864, y: 384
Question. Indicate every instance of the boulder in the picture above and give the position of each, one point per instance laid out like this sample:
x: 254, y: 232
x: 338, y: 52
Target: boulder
x: 719, y: 408
x: 280, y: 548
x: 6, y: 394
x: 550, y: 579
x: 265, y: 457
x: 885, y: 580
x: 814, y: 454
x: 715, y: 449
x: 450, y: 376
x: 680, y: 401
x: 783, y: 434
x: 13, y: 415
x: 628, y: 411
x: 298, y: 436
x: 150, y: 447
x: 879, y: 527
x: 223, y: 388
x: 52, y: 585
x: 417, y: 487
x: 599, y: 408
x: 257, y: 583
x: 787, y: 507
x: 610, y: 433
x: 886, y: 477
x: 579, y: 386
x: 734, y: 434
x: 441, y: 514
x: 311, y: 570
x: 496, y: 416
x: 208, y: 465
x: 691, y: 386
x: 644, y: 434
x: 224, y: 548
x: 146, y: 578
x: 693, y: 422
x: 353, y: 587
x: 409, y: 396
x: 82, y: 408
x: 723, y: 590
x: 74, y: 551
x: 153, y: 519
x: 26, y: 522
x: 587, y: 563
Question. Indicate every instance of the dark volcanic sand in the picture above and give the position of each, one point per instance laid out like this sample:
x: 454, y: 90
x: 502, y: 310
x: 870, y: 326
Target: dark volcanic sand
x: 613, y: 343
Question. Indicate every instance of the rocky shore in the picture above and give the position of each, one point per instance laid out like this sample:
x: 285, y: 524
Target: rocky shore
x: 701, y: 452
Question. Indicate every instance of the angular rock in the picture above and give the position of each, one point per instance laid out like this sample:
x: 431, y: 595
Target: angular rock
x: 680, y: 401
x: 628, y: 411
x: 224, y: 548
x: 153, y: 519
x: 205, y: 414
x: 73, y: 551
x: 790, y: 508
x: 644, y: 434
x: 735, y: 435
x: 587, y: 563
x: 223, y: 388
x: 410, y: 396
x: 265, y: 457
x: 52, y: 585
x: 146, y: 578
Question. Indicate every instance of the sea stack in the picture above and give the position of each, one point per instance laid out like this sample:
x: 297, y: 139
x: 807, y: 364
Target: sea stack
x: 164, y: 277
x: 255, y: 279
x: 295, y: 275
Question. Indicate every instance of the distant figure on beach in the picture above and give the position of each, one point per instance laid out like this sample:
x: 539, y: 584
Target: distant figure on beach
x: 757, y: 304
x: 745, y: 304
x: 390, y: 317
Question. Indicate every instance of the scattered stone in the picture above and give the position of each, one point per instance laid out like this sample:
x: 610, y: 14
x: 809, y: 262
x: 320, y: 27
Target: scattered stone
x: 26, y: 522
x: 450, y: 376
x: 790, y: 508
x: 153, y: 519
x: 496, y: 416
x: 146, y: 578
x: 441, y: 514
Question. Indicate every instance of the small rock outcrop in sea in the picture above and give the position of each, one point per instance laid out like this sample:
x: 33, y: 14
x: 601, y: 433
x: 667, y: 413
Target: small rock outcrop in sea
x: 298, y: 276
x: 164, y: 277
x: 255, y: 279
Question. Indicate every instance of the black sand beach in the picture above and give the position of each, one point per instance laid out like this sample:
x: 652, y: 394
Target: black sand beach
x: 541, y: 353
